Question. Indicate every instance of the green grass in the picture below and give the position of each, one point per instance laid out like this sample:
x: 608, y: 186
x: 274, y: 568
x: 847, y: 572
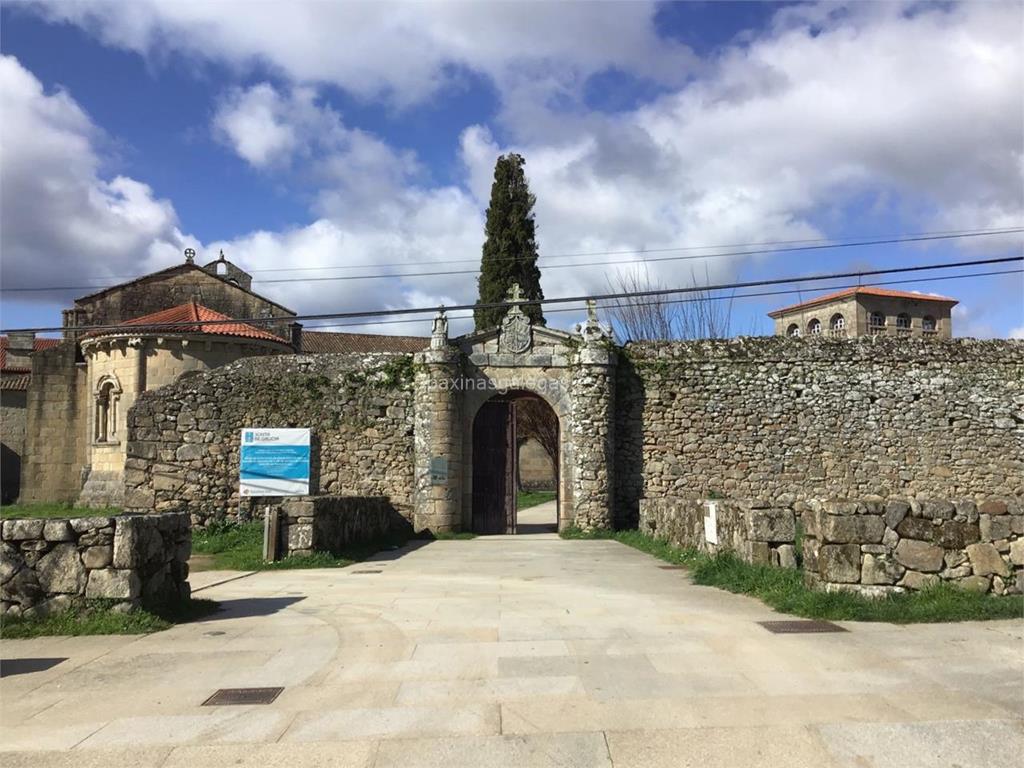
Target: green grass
x: 36, y: 511
x: 784, y: 590
x: 526, y: 499
x: 96, y: 618
x: 453, y: 535
x: 239, y: 547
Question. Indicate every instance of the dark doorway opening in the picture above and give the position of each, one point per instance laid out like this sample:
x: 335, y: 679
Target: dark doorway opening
x: 503, y: 428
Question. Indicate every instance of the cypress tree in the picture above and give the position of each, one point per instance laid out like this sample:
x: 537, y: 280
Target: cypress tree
x: 510, y: 247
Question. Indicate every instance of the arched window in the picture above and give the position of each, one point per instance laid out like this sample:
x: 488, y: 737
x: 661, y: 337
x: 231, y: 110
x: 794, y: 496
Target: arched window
x: 108, y: 393
x: 837, y: 325
x: 877, y: 321
x: 222, y: 268
x: 903, y: 321
x: 793, y: 331
x: 814, y: 327
x: 928, y: 324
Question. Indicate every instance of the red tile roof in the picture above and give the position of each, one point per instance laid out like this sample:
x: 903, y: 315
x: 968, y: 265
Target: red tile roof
x: 865, y: 290
x: 200, y: 319
x: 37, y: 345
x: 321, y: 342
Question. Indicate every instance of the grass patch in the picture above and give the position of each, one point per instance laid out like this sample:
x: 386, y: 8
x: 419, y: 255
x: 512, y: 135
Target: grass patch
x: 239, y: 547
x: 452, y: 535
x: 49, y: 510
x: 97, y: 618
x: 527, y: 499
x: 784, y: 590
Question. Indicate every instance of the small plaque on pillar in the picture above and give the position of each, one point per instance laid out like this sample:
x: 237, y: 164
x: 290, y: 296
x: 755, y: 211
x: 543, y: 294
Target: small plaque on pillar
x: 438, y: 470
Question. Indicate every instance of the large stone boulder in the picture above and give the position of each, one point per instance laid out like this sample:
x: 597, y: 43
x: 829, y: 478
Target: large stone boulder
x: 880, y: 569
x: 839, y: 563
x: 61, y: 570
x: 113, y: 584
x: 862, y: 529
x: 771, y: 524
x: 986, y: 560
x: 919, y: 555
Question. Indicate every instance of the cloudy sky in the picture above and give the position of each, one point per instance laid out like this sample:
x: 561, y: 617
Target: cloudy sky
x: 322, y: 140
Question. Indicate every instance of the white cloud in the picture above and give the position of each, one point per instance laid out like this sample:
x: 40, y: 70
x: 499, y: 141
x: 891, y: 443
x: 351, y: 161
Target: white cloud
x: 62, y: 219
x: 1016, y: 333
x: 404, y: 52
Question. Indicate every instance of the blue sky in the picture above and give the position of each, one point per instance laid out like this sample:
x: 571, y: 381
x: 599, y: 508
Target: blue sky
x: 354, y: 136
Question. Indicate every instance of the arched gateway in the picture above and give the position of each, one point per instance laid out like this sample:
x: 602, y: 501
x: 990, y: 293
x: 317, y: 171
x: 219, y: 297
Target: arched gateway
x: 466, y: 394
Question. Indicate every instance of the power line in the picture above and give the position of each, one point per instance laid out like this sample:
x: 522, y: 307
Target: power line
x: 563, y: 300
x: 448, y: 273
x: 723, y: 297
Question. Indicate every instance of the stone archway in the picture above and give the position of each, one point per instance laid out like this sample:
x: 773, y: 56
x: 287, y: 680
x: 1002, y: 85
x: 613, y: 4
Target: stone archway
x: 492, y: 455
x: 572, y: 373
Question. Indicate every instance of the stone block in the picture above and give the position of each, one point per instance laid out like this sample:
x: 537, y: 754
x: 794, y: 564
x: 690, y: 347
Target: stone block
x: 771, y: 525
x: 1017, y: 552
x: 61, y: 570
x: 300, y: 537
x: 995, y: 527
x: 895, y: 511
x: 992, y: 507
x: 58, y: 530
x: 986, y: 560
x: 113, y: 584
x: 787, y: 556
x: 97, y: 557
x: 880, y: 569
x: 919, y: 555
x: 839, y: 563
x: 841, y: 507
x: 975, y: 583
x: 862, y: 529
x: 938, y: 509
x: 915, y: 580
x: 920, y: 528
x: 957, y: 535
x: 18, y: 530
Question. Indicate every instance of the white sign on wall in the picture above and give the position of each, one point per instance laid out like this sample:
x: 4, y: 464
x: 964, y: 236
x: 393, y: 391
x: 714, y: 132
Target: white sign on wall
x: 711, y: 522
x: 274, y: 462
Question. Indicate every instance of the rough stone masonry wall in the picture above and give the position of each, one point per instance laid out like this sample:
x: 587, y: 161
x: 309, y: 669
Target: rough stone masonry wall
x: 48, y: 566
x: 332, y: 523
x: 183, y: 441
x: 753, y: 530
x: 877, y: 545
x: 767, y: 418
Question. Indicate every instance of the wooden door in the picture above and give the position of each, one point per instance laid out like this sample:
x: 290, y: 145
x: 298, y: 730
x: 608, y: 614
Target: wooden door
x: 494, y: 470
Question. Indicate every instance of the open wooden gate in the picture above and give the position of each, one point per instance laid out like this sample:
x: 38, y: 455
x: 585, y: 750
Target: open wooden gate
x: 494, y: 468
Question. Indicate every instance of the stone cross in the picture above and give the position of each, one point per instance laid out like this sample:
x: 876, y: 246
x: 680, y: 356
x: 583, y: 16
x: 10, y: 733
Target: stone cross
x: 515, y: 293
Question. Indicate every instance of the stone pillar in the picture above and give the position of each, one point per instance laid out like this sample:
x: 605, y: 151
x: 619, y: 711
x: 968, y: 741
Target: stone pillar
x: 437, y: 498
x: 591, y: 430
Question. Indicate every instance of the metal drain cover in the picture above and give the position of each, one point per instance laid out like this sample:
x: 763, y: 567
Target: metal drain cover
x: 672, y: 567
x: 361, y: 572
x: 797, y: 627
x: 241, y: 696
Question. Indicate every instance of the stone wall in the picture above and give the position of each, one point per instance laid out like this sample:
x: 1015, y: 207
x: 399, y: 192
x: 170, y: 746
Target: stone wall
x: 332, y: 523
x: 753, y: 530
x: 536, y: 468
x: 48, y: 566
x: 55, y: 439
x: 876, y: 545
x: 767, y: 418
x: 13, y: 418
x: 183, y: 439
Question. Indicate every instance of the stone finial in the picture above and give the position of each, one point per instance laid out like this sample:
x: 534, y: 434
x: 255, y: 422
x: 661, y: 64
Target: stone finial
x: 592, y: 330
x: 439, y: 333
x: 190, y: 255
x: 515, y: 293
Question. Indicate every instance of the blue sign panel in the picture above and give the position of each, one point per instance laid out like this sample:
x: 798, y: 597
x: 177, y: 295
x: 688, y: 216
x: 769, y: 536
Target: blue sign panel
x: 274, y: 462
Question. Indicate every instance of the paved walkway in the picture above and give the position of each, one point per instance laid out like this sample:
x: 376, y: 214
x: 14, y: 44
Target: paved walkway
x: 515, y: 651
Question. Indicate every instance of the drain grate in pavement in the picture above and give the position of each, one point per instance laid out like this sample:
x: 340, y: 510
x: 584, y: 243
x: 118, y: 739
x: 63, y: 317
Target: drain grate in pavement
x: 10, y: 667
x: 672, y: 567
x: 240, y: 696
x: 361, y: 572
x: 797, y: 627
